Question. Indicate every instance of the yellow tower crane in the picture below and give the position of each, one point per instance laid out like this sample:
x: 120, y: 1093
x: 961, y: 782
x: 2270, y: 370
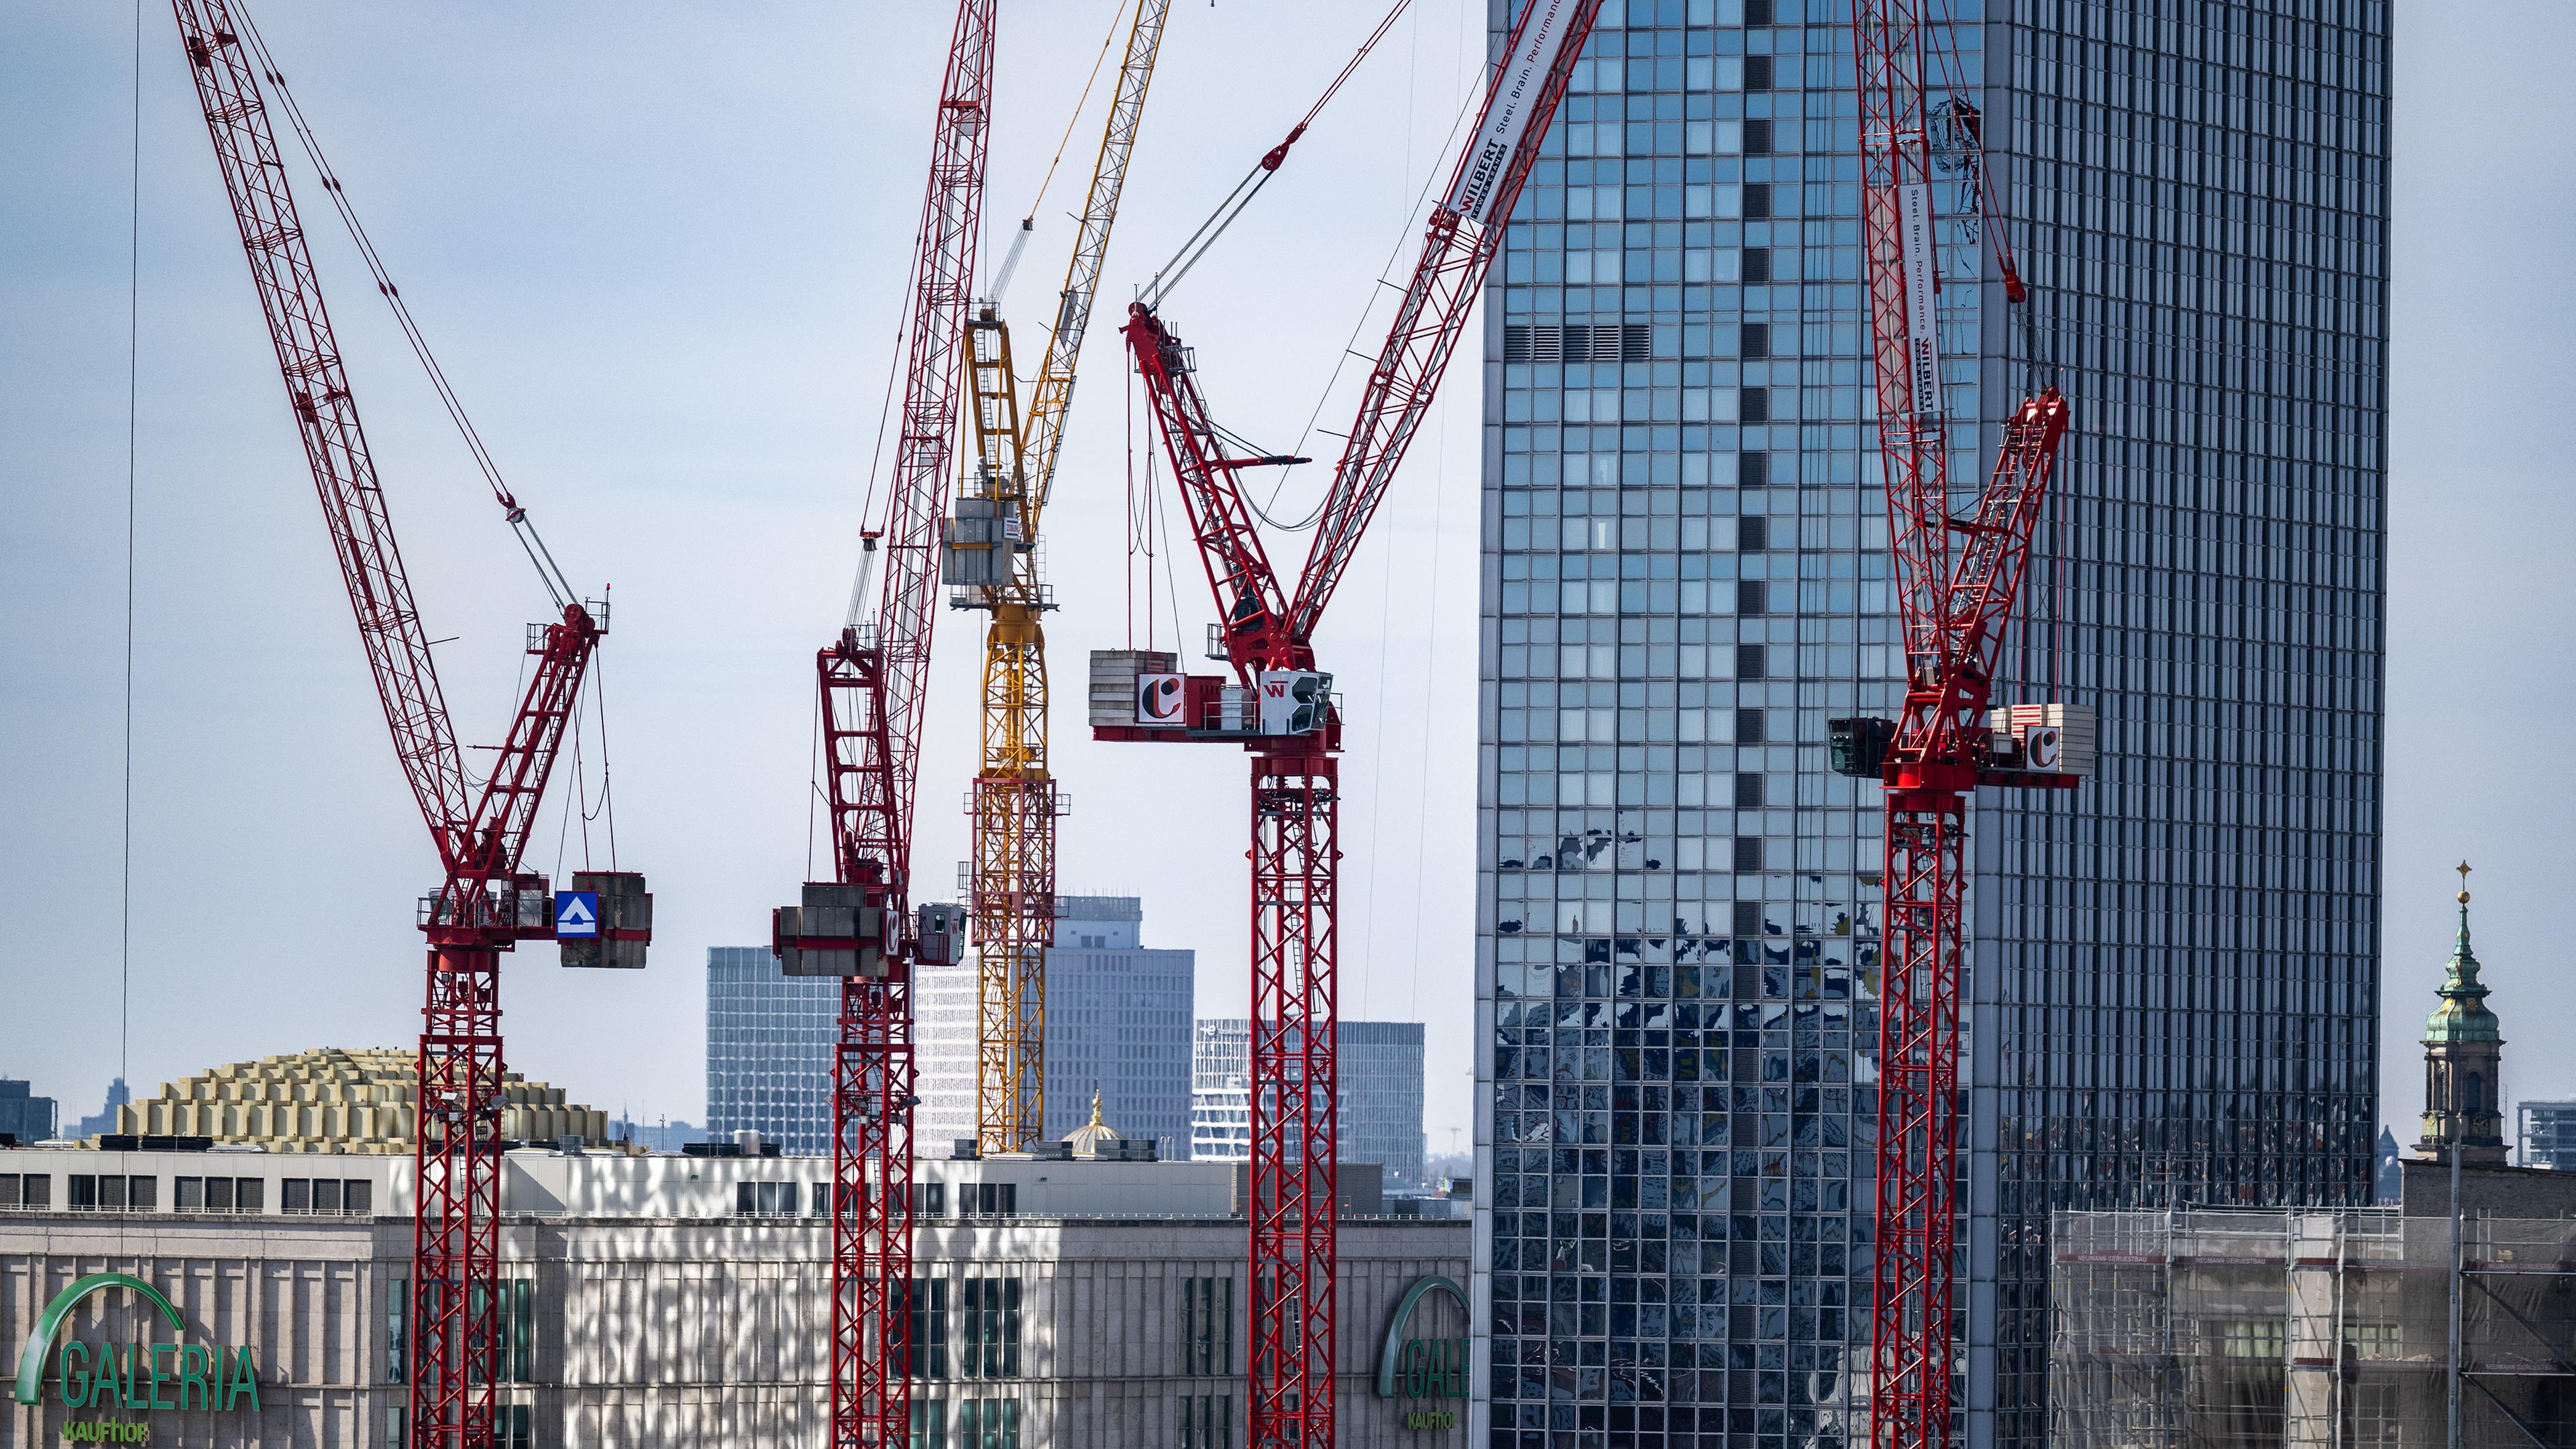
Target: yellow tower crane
x: 992, y: 564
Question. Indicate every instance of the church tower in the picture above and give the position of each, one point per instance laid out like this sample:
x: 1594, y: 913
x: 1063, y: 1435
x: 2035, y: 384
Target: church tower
x: 2463, y: 1062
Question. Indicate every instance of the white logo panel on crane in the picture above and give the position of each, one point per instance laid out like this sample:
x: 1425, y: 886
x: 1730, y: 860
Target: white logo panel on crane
x: 1922, y: 336
x: 1159, y: 700
x: 1517, y: 84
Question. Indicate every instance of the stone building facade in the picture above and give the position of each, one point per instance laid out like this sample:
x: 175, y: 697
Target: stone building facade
x: 707, y: 1326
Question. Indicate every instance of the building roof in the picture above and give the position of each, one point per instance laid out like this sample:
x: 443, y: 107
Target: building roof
x: 331, y: 1100
x: 2463, y: 1014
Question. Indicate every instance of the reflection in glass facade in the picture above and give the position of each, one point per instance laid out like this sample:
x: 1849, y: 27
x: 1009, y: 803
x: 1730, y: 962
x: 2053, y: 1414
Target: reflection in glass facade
x: 2174, y: 987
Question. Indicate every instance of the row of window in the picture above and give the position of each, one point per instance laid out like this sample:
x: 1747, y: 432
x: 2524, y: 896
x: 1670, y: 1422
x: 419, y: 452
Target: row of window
x: 514, y: 1346
x: 120, y: 1192
x: 989, y: 1323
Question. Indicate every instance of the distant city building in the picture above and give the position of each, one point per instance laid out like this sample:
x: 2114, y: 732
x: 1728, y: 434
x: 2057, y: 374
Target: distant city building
x: 1118, y: 1018
x: 769, y: 1049
x: 661, y: 1134
x: 1379, y: 1116
x: 104, y: 1119
x: 24, y: 1115
x: 2546, y: 1132
x: 330, y: 1100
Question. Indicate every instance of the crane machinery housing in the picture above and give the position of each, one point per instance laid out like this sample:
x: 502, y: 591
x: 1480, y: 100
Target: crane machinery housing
x: 485, y: 903
x: 1280, y: 708
x: 872, y: 683
x: 991, y: 562
x: 1957, y: 577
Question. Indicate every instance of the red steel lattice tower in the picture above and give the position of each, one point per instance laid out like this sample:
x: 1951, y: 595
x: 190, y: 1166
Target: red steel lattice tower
x: 1956, y: 580
x: 1281, y: 713
x: 484, y: 905
x: 871, y: 684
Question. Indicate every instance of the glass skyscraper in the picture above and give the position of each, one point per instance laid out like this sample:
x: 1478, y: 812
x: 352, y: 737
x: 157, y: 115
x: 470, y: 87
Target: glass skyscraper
x: 2173, y: 985
x: 769, y: 1050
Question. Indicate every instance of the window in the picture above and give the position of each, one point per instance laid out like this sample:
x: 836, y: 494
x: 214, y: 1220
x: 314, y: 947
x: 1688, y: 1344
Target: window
x: 397, y: 1329
x: 250, y: 1195
x: 514, y: 1426
x: 765, y: 1199
x: 1207, y: 1422
x: 988, y: 1423
x: 930, y: 1200
x: 326, y: 1195
x: 929, y: 1306
x: 518, y: 1330
x: 992, y: 1344
x: 357, y: 1195
x: 110, y: 1192
x: 295, y: 1195
x: 988, y: 1199
x: 1207, y: 1326
x: 34, y: 1189
x: 84, y: 1192
x: 188, y: 1194
x: 143, y: 1193
x: 929, y: 1421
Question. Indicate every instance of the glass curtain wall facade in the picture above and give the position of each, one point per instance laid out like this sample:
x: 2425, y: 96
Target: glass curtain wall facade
x: 769, y: 1050
x: 2172, y: 995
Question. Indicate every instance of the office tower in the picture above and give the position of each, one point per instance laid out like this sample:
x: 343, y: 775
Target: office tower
x: 2172, y: 990
x: 2546, y: 1135
x: 1117, y: 1023
x: 769, y: 1050
x: 24, y: 1115
x: 1377, y: 1103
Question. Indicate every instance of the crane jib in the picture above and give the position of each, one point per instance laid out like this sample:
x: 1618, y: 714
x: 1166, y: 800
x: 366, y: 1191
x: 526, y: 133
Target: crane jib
x: 1513, y: 99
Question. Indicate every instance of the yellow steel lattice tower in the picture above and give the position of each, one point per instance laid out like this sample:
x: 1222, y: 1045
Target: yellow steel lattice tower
x: 1015, y: 804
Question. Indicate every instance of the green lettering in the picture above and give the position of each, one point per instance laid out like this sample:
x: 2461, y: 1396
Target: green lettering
x: 192, y: 1374
x: 134, y: 1376
x: 153, y: 1367
x: 245, y: 1378
x: 107, y: 1381
x: 73, y: 1367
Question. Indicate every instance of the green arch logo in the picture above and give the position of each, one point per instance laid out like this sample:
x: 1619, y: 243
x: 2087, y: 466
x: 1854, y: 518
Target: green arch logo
x: 40, y: 1344
x: 1390, y: 1359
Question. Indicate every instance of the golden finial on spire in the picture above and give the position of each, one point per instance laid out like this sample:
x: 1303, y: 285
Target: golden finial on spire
x: 2463, y: 869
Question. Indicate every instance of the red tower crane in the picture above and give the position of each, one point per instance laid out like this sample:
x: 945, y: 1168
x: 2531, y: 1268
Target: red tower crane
x: 485, y: 903
x: 871, y: 683
x: 1281, y: 711
x: 1956, y: 580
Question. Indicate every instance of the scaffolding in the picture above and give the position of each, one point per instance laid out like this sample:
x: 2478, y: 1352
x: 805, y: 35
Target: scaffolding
x: 2229, y: 1329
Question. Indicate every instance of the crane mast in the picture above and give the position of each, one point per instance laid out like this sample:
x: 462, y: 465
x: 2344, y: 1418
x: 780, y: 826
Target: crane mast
x: 992, y: 564
x: 1281, y: 711
x: 871, y: 683
x: 484, y: 905
x: 1956, y: 581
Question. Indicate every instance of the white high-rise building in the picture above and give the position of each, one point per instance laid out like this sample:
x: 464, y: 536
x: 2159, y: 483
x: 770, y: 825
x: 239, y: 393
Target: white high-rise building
x: 1378, y: 1102
x: 1117, y: 1024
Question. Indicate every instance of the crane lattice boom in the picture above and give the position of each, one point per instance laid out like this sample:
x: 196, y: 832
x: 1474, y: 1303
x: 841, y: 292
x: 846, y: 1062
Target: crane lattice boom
x: 484, y: 905
x: 1956, y: 581
x: 1285, y: 717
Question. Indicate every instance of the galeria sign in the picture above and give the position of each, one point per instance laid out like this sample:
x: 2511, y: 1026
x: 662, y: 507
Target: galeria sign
x: 1424, y: 1368
x: 144, y: 1376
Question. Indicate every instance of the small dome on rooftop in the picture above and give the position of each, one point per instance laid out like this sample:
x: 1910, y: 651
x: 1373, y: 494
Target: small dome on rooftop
x: 1088, y: 1137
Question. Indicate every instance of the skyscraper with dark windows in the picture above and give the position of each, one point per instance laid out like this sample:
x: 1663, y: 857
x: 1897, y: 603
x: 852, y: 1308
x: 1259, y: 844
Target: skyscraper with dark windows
x: 2172, y: 991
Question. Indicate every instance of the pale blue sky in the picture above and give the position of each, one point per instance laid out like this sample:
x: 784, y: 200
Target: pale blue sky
x: 659, y: 247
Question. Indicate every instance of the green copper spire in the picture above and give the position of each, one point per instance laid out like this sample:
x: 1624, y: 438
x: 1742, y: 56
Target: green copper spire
x: 2463, y: 1014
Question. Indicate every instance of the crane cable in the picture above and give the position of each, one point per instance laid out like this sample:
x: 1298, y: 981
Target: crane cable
x: 1028, y: 223
x: 548, y: 570
x: 1169, y: 275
